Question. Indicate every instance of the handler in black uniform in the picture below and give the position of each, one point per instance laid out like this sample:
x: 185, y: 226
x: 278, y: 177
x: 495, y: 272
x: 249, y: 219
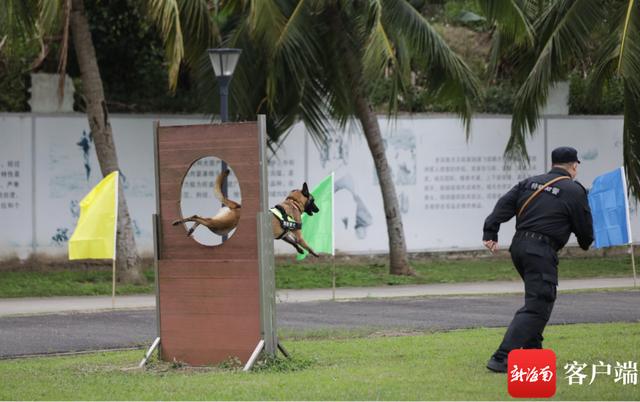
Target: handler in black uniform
x: 548, y: 207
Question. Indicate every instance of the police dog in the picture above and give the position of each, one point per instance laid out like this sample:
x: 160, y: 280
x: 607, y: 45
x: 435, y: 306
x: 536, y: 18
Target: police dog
x: 297, y: 202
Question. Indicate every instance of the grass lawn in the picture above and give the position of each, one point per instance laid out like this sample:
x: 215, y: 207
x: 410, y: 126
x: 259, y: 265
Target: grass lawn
x: 445, y: 365
x: 293, y: 275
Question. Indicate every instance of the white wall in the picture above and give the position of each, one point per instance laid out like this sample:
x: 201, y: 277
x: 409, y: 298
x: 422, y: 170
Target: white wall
x: 446, y: 185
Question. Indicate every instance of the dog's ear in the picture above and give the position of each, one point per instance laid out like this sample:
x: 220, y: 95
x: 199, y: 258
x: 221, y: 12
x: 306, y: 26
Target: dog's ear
x: 305, y: 190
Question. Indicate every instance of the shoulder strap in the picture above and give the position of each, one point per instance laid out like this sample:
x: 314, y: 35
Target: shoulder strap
x: 286, y: 222
x: 539, y: 190
x: 277, y: 213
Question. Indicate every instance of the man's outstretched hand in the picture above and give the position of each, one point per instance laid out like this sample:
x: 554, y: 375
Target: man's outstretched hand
x: 491, y: 245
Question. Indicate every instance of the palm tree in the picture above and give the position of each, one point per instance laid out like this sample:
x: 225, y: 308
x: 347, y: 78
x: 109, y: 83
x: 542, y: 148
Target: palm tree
x: 561, y: 32
x: 40, y: 18
x: 317, y: 60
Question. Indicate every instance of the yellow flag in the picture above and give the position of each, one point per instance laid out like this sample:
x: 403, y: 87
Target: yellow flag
x: 95, y: 234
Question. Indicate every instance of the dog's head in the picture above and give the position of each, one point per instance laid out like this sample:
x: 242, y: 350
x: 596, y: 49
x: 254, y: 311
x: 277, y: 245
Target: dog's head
x: 310, y: 206
x: 305, y: 199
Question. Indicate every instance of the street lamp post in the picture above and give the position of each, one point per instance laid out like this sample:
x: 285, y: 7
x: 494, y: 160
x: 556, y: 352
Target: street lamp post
x: 224, y: 61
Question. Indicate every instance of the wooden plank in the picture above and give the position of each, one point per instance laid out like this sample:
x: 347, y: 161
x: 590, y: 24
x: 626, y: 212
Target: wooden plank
x: 232, y: 330
x: 172, y: 252
x: 219, y: 268
x: 195, y: 306
x: 210, y: 287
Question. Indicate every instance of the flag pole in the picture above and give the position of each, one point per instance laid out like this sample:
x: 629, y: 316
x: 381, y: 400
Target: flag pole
x: 113, y: 287
x: 115, y: 245
x: 333, y: 235
x: 628, y: 213
x: 333, y: 278
x: 633, y: 265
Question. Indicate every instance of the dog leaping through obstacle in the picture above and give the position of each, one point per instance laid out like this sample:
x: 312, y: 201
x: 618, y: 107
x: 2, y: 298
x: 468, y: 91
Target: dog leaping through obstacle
x: 286, y: 219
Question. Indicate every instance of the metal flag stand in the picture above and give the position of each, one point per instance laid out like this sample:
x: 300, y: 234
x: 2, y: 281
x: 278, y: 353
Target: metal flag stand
x: 154, y: 346
x: 156, y: 244
x: 269, y: 343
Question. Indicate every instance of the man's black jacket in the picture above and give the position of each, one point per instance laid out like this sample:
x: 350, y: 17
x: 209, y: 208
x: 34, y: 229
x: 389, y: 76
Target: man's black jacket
x: 557, y: 211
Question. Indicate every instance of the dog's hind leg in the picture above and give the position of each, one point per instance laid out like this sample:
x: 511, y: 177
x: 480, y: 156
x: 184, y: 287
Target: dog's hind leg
x: 190, y: 232
x: 179, y: 221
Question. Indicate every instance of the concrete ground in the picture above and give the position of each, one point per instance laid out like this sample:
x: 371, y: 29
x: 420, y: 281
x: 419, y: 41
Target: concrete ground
x: 73, y: 332
x: 46, y: 305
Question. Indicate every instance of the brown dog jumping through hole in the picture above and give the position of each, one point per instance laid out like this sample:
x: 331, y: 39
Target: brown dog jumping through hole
x: 286, y: 219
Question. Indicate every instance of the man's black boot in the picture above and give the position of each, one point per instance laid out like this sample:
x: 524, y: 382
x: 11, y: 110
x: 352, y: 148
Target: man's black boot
x: 497, y: 365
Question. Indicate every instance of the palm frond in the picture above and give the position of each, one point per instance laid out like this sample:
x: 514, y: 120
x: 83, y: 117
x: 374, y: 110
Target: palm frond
x: 400, y: 74
x: 18, y: 19
x: 295, y: 50
x: 510, y: 16
x: 631, y: 138
x: 495, y: 53
x: 534, y: 8
x: 166, y: 16
x: 51, y: 13
x: 563, y: 31
x: 629, y: 59
x: 604, y: 66
x: 625, y: 31
x: 266, y: 21
x: 64, y: 48
x: 379, y: 54
x: 294, y: 90
x: 450, y: 78
x: 199, y: 27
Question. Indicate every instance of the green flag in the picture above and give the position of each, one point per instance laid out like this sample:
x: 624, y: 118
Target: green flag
x: 317, y: 230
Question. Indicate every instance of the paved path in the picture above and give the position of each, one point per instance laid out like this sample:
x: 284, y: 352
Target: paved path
x: 96, y: 303
x: 32, y: 334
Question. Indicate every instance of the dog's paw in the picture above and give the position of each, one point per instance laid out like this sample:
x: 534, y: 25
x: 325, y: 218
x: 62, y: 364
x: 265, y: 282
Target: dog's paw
x: 175, y: 223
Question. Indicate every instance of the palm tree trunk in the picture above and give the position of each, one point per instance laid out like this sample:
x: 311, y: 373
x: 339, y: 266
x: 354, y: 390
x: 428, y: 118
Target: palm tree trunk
x: 129, y: 269
x: 398, y: 259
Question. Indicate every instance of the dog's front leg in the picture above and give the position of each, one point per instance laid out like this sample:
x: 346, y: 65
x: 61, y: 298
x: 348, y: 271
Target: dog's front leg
x: 300, y: 240
x: 293, y: 242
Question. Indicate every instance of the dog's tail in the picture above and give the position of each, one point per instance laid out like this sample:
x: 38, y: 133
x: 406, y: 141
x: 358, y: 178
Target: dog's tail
x: 217, y: 190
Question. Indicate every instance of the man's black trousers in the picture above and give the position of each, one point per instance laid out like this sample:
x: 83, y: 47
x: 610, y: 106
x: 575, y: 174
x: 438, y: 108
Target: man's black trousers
x: 537, y: 264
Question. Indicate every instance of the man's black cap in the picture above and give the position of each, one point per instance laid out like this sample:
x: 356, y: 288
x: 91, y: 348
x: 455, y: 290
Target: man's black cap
x: 564, y: 155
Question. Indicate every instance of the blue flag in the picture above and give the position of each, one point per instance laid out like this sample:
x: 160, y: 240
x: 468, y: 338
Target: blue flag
x: 610, y: 209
